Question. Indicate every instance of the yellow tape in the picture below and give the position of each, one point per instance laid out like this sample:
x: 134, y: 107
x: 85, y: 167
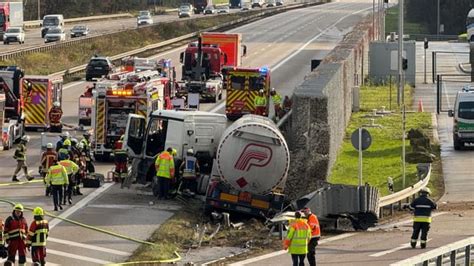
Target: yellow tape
x: 20, y: 183
x: 178, y: 257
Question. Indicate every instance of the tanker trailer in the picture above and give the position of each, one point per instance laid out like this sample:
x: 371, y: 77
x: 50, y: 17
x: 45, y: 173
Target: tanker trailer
x: 250, y: 168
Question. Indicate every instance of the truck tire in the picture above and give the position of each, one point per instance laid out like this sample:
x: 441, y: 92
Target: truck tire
x: 457, y: 144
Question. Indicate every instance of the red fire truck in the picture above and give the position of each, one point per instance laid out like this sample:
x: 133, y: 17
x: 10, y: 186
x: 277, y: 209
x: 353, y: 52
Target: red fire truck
x: 141, y: 93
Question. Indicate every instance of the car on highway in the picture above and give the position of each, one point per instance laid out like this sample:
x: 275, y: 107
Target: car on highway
x: 54, y: 35
x: 97, y: 67
x: 14, y: 34
x: 185, y: 11
x: 210, y: 10
x: 463, y: 117
x: 79, y: 31
x: 223, y: 10
x: 271, y: 3
x: 144, y: 20
x: 279, y: 2
x: 246, y: 6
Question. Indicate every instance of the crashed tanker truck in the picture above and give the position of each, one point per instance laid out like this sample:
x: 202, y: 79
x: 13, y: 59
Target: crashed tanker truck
x: 244, y: 167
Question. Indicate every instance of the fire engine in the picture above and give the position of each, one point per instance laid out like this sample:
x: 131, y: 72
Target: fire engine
x: 140, y: 93
x: 12, y: 107
x: 242, y: 85
x: 203, y: 62
x: 39, y: 94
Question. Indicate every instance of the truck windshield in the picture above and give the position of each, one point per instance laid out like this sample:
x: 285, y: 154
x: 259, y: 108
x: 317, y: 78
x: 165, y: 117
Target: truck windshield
x: 2, y: 19
x: 466, y: 110
x: 156, y: 137
x: 51, y: 22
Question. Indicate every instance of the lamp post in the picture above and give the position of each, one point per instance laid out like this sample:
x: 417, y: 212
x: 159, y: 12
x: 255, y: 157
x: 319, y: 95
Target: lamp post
x: 437, y: 19
x: 39, y: 9
x: 401, y: 82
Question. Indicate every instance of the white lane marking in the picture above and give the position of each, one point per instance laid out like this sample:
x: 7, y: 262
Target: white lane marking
x: 73, y: 84
x: 273, y: 68
x: 397, y: 224
x: 403, y: 246
x: 80, y: 204
x: 91, y: 247
x: 30, y: 261
x: 281, y: 252
x: 77, y: 257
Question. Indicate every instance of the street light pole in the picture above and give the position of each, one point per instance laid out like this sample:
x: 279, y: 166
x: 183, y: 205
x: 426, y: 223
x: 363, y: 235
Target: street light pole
x: 39, y: 9
x: 437, y: 20
x: 401, y: 83
x: 373, y: 20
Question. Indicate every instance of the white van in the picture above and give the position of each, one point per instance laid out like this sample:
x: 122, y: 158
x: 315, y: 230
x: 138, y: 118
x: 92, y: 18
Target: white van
x: 51, y: 21
x: 463, y: 117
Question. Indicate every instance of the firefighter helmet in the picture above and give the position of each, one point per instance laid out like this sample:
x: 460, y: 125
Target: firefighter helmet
x: 18, y: 207
x: 425, y: 190
x: 38, y: 211
x: 65, y: 135
x: 73, y: 142
x: 49, y: 145
x: 56, y: 104
x: 25, y: 138
x: 260, y: 91
x: 272, y: 90
x: 67, y: 142
x: 190, y: 151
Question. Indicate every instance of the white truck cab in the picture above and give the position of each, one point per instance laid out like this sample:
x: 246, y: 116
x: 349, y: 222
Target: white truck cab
x: 178, y: 129
x: 463, y: 117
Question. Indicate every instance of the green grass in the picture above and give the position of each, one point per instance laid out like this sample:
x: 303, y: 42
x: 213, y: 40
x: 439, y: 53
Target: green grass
x: 391, y: 23
x: 383, y: 158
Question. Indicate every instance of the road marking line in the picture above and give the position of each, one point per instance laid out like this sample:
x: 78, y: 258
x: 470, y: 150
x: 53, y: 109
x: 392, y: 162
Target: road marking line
x: 80, y: 204
x: 77, y: 257
x: 86, y: 246
x: 295, y: 53
x: 30, y: 261
x: 403, y: 246
x: 281, y: 252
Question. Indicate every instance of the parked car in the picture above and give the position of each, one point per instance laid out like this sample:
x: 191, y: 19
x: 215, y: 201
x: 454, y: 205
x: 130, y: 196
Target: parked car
x: 97, y: 67
x: 209, y: 10
x: 184, y: 11
x: 14, y: 34
x: 144, y: 20
x: 79, y: 31
x: 246, y: 6
x: 223, y: 9
x: 279, y: 2
x: 54, y: 35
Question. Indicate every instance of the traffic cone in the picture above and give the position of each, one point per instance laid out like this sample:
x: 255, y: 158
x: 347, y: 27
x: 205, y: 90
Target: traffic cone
x: 420, y: 106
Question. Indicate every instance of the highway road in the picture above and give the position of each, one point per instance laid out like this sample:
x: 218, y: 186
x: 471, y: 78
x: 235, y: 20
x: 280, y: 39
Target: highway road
x: 284, y: 42
x: 99, y: 27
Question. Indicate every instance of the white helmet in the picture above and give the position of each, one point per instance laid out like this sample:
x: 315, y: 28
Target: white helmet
x: 56, y: 104
x: 190, y: 151
x: 272, y: 89
x: 25, y: 138
x: 425, y: 190
x: 65, y: 135
x: 49, y: 145
x: 260, y: 91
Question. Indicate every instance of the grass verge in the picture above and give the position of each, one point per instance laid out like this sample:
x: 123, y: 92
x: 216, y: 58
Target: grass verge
x: 383, y: 158
x: 44, y: 63
x: 391, y: 23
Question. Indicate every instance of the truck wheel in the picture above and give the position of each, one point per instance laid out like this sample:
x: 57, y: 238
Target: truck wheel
x: 457, y: 144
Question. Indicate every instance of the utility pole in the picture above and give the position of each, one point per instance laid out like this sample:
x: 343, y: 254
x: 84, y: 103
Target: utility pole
x: 401, y: 82
x: 437, y: 20
x: 39, y: 9
x: 373, y: 20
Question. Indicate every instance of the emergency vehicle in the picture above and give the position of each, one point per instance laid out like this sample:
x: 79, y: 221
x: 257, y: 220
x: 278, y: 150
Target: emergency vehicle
x: 12, y: 108
x: 112, y: 101
x: 39, y: 94
x: 242, y: 85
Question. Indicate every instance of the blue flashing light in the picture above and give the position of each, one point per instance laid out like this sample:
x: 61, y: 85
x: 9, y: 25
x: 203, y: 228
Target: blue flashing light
x: 263, y: 70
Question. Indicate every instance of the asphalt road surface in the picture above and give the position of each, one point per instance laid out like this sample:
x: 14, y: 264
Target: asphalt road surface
x: 284, y: 42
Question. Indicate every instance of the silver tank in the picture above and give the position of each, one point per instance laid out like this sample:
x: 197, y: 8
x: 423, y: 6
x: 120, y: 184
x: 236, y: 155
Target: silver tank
x: 253, y: 155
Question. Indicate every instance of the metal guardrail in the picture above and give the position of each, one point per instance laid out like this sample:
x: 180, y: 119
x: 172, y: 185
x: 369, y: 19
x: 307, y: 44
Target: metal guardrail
x: 178, y: 39
x: 42, y: 48
x: 405, y: 193
x: 451, y: 254
x: 36, y: 23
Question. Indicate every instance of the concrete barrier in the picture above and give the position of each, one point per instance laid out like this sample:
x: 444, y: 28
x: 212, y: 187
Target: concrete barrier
x: 322, y: 107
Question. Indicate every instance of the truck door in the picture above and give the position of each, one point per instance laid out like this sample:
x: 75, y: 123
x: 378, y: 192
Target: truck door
x: 135, y: 135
